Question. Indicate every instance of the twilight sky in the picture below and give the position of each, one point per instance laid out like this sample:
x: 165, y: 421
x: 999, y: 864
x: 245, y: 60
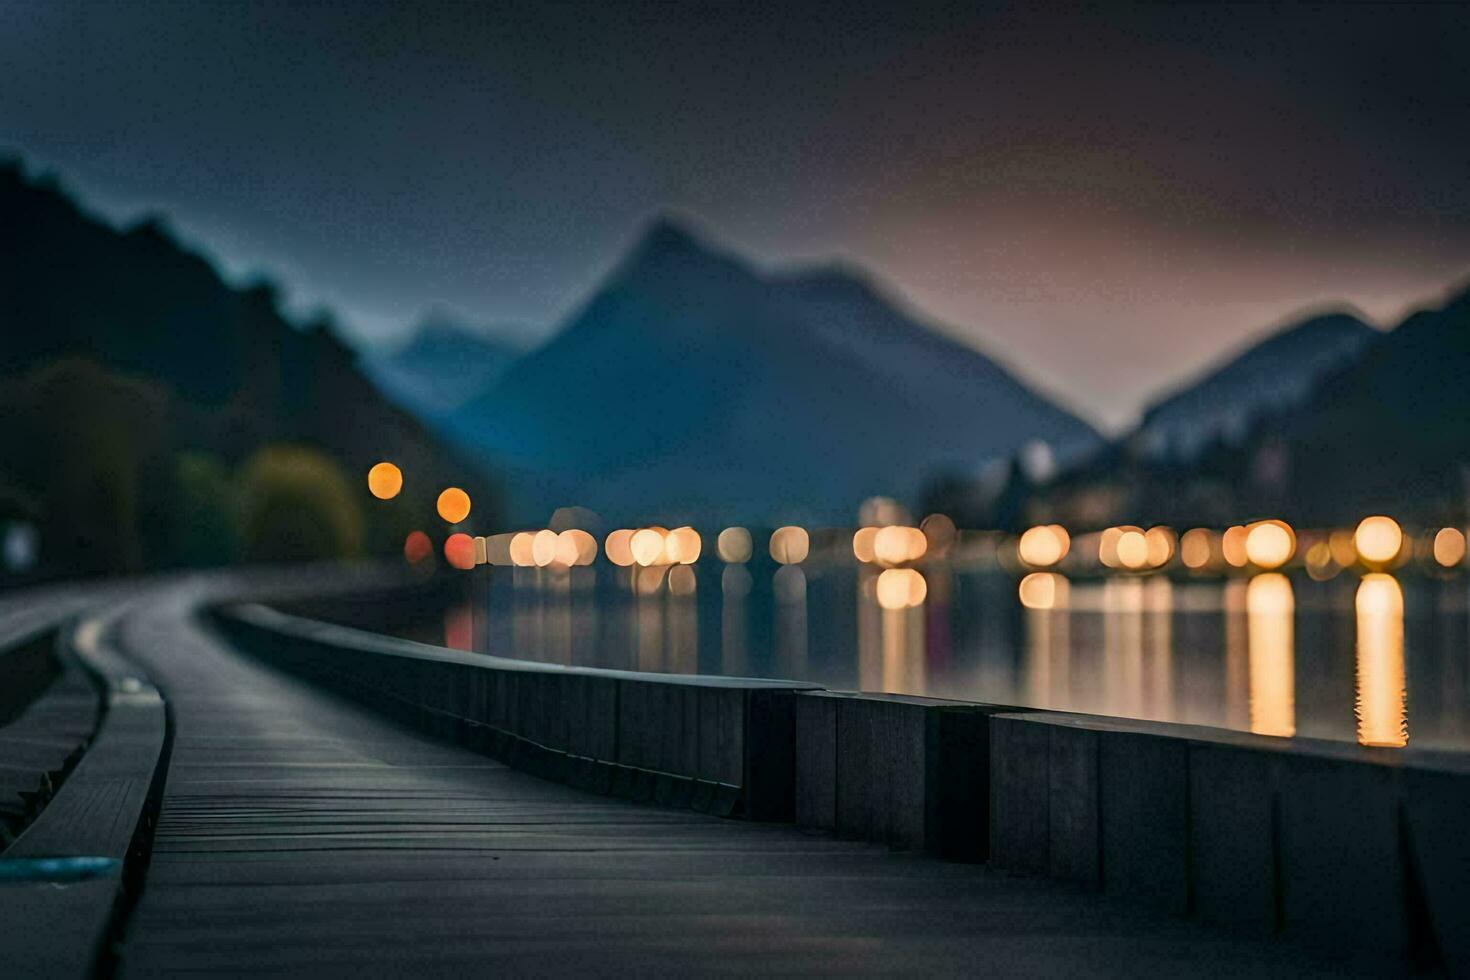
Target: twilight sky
x: 1104, y: 200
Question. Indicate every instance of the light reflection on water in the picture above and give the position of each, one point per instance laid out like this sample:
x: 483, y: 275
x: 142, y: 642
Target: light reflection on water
x: 1378, y: 660
x: 1381, y: 689
x: 1270, y: 609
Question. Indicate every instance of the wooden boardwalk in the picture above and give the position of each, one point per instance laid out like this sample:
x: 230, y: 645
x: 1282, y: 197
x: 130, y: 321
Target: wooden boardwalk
x: 302, y: 834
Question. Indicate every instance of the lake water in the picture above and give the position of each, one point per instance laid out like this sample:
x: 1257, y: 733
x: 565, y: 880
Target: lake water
x: 1379, y: 659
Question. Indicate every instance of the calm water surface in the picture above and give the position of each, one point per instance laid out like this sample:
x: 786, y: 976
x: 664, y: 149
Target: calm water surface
x: 1378, y: 659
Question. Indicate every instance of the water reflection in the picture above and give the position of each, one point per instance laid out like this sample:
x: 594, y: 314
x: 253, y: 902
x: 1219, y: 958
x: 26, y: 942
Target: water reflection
x: 1048, y: 636
x: 459, y: 627
x: 789, y: 586
x: 1267, y: 654
x: 683, y: 622
x: 1381, y: 696
x: 1043, y: 590
x: 1270, y: 611
x: 649, y: 617
x: 1237, y: 655
x: 903, y: 650
x: 1158, y: 598
x: 557, y: 618
x: 869, y: 633
x: 734, y: 589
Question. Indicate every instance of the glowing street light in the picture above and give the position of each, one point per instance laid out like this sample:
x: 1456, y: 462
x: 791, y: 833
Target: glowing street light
x: 1269, y: 544
x: 1378, y: 539
x: 385, y: 481
x: 1042, y: 546
x: 901, y: 588
x: 459, y: 551
x: 454, y: 505
x: 789, y: 545
x: 1449, y: 546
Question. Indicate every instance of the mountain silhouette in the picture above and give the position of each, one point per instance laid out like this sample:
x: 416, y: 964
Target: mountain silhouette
x: 1269, y: 376
x: 1384, y: 431
x: 442, y: 365
x: 1391, y: 431
x: 692, y: 387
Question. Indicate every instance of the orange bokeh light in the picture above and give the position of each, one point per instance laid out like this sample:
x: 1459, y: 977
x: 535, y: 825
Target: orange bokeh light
x: 1269, y: 544
x: 647, y: 545
x: 1449, y: 547
x: 1132, y: 549
x: 1044, y: 545
x: 901, y: 588
x: 789, y: 545
x: 619, y: 547
x: 1043, y: 590
x: 682, y: 546
x: 454, y: 505
x: 521, y: 553
x: 1378, y: 539
x: 1195, y: 548
x: 543, y: 548
x: 417, y: 546
x: 459, y: 551
x: 1232, y: 546
x: 385, y: 480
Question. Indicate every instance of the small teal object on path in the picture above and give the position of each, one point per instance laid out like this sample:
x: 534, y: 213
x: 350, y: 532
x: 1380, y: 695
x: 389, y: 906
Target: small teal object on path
x: 55, y: 869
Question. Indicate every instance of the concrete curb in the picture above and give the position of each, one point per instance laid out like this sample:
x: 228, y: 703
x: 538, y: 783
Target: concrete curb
x: 906, y: 771
x: 1322, y: 842
x: 722, y: 745
x: 99, y: 821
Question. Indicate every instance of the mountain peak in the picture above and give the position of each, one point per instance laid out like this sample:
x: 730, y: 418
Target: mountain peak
x: 440, y: 331
x: 1271, y: 375
x: 668, y: 247
x: 668, y: 232
x: 1337, y: 319
x: 442, y: 363
x: 741, y: 391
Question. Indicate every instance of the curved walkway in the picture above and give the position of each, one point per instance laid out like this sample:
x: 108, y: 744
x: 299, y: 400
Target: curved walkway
x: 300, y: 833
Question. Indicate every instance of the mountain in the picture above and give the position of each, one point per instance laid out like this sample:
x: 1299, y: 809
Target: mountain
x: 1272, y: 375
x: 136, y: 384
x: 1390, y: 432
x: 1385, y: 431
x: 692, y: 387
x: 441, y: 366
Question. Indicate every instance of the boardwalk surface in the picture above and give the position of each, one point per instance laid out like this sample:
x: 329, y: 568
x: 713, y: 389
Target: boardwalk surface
x: 300, y: 833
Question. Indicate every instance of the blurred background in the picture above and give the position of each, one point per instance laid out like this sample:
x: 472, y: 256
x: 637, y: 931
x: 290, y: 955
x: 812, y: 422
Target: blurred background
x: 869, y: 293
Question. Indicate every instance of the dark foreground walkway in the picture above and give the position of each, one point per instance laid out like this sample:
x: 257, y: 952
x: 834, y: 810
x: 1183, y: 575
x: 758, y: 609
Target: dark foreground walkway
x: 302, y: 834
